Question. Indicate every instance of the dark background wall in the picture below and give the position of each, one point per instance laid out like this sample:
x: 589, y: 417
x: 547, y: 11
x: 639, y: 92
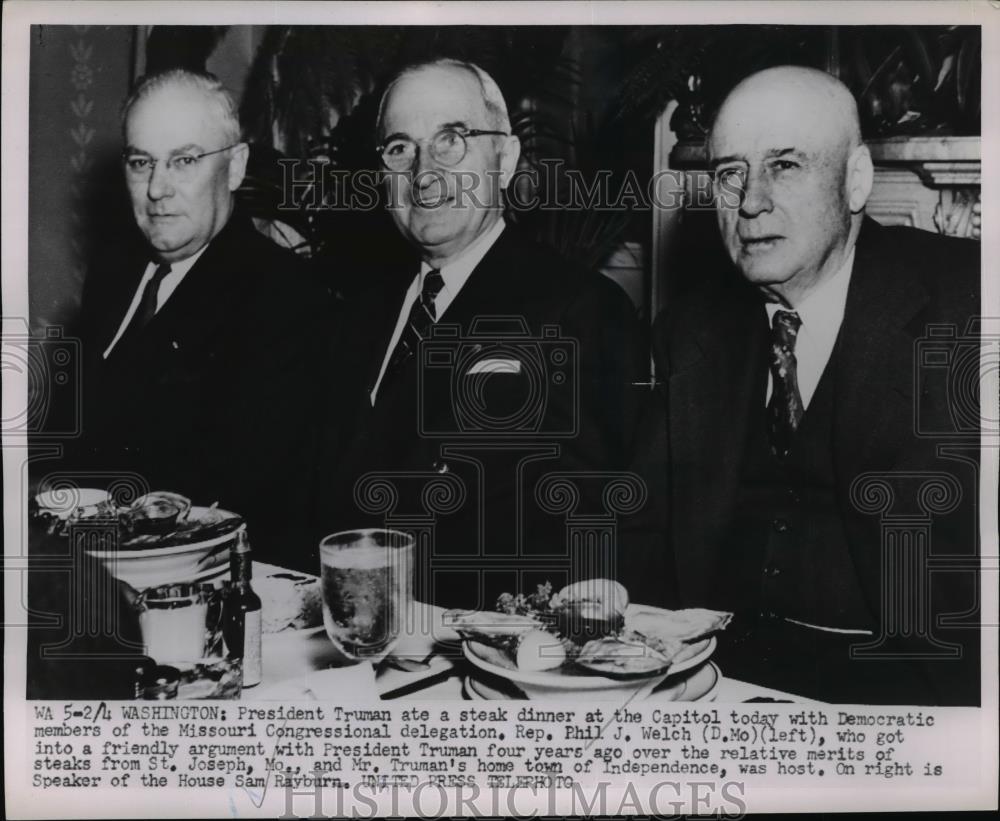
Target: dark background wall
x: 79, y: 75
x: 588, y: 96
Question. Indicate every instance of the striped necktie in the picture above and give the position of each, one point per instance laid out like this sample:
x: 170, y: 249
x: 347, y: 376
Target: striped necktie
x: 785, y: 410
x: 418, y: 324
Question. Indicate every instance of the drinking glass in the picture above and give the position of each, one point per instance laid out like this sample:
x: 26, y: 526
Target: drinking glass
x: 181, y: 627
x: 179, y: 622
x: 367, y: 583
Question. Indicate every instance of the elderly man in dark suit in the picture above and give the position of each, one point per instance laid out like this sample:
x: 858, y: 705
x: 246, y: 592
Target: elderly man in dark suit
x: 201, y: 334
x: 794, y: 419
x: 489, y: 363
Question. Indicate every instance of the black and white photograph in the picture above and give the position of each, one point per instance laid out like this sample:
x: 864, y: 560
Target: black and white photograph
x: 501, y: 408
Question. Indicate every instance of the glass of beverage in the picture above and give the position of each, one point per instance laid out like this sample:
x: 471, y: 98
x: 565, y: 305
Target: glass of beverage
x: 367, y: 583
x: 179, y: 622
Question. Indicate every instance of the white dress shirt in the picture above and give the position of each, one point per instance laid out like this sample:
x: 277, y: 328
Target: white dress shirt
x: 822, y: 313
x: 454, y: 274
x: 178, y: 270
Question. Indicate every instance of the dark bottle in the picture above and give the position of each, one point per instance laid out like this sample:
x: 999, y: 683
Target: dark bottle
x: 142, y: 675
x: 242, y: 613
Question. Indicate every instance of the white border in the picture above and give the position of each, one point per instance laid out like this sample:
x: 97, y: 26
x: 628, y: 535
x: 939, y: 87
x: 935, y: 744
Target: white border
x: 19, y: 15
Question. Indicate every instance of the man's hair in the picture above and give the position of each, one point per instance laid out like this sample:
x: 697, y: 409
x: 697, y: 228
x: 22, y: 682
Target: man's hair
x: 208, y: 84
x: 496, y: 106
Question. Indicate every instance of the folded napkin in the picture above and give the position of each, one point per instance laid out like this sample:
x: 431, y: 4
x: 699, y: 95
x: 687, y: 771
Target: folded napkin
x: 353, y: 683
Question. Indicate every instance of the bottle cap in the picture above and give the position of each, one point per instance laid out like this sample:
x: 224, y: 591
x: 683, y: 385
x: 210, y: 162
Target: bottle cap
x: 162, y: 684
x: 242, y: 543
x: 142, y: 672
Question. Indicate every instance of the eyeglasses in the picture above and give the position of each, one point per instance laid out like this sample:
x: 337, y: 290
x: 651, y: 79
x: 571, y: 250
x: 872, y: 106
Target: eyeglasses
x: 448, y: 148
x: 181, y: 167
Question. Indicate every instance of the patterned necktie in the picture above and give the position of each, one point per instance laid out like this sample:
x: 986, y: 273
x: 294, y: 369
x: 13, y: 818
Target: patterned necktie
x: 784, y: 411
x: 418, y: 324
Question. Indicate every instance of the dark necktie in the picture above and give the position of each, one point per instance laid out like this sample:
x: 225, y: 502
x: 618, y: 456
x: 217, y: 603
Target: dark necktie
x: 418, y: 324
x: 784, y: 411
x: 146, y: 309
x: 147, y: 303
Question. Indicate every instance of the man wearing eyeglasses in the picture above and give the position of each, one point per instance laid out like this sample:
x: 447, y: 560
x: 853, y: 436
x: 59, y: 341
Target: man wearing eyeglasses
x: 201, y: 331
x: 488, y: 361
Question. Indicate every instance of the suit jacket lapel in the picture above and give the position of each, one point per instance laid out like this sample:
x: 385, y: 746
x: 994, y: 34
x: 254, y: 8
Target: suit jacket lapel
x: 386, y: 308
x: 874, y: 362
x: 192, y: 311
x: 874, y: 399
x: 491, y: 287
x: 482, y: 293
x: 114, y: 300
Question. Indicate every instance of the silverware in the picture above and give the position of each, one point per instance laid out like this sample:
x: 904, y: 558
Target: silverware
x: 409, y: 665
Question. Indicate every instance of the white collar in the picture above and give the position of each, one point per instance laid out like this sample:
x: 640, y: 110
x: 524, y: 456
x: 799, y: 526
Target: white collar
x: 458, y: 270
x: 822, y: 311
x: 182, y: 266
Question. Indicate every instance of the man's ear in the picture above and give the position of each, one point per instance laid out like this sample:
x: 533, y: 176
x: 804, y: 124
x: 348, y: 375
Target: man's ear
x: 510, y: 153
x: 238, y: 165
x: 860, y: 178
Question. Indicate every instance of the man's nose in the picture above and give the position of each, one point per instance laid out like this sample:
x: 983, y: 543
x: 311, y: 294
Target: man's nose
x: 160, y: 184
x: 424, y: 165
x: 756, y: 197
x: 426, y: 171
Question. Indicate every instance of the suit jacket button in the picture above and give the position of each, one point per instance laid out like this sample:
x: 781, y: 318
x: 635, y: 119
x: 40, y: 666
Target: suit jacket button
x: 440, y: 467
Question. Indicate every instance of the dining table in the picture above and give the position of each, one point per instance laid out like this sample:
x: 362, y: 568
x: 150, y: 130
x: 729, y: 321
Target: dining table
x: 427, y: 662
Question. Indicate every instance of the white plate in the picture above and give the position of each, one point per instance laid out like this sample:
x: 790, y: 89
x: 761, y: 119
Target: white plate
x: 700, y: 685
x: 63, y: 502
x: 168, y: 565
x: 160, y: 552
x: 498, y: 663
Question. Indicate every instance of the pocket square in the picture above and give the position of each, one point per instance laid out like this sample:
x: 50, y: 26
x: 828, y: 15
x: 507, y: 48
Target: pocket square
x: 495, y: 366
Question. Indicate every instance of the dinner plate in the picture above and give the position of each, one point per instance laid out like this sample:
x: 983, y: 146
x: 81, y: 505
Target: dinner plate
x: 571, y: 679
x: 62, y: 503
x: 154, y: 566
x: 701, y: 684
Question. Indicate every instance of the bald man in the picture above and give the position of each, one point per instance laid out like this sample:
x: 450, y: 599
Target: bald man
x: 794, y: 380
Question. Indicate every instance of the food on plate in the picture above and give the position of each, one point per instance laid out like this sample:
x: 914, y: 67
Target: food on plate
x: 539, y: 650
x: 606, y: 594
x: 625, y: 657
x: 155, y: 520
x: 685, y: 625
x: 289, y: 601
x: 484, y: 626
x: 588, y: 626
x: 154, y: 513
x: 591, y: 609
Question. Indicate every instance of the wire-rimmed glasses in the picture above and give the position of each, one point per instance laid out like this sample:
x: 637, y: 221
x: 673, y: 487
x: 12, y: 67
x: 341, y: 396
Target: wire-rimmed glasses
x: 181, y: 167
x: 448, y: 148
